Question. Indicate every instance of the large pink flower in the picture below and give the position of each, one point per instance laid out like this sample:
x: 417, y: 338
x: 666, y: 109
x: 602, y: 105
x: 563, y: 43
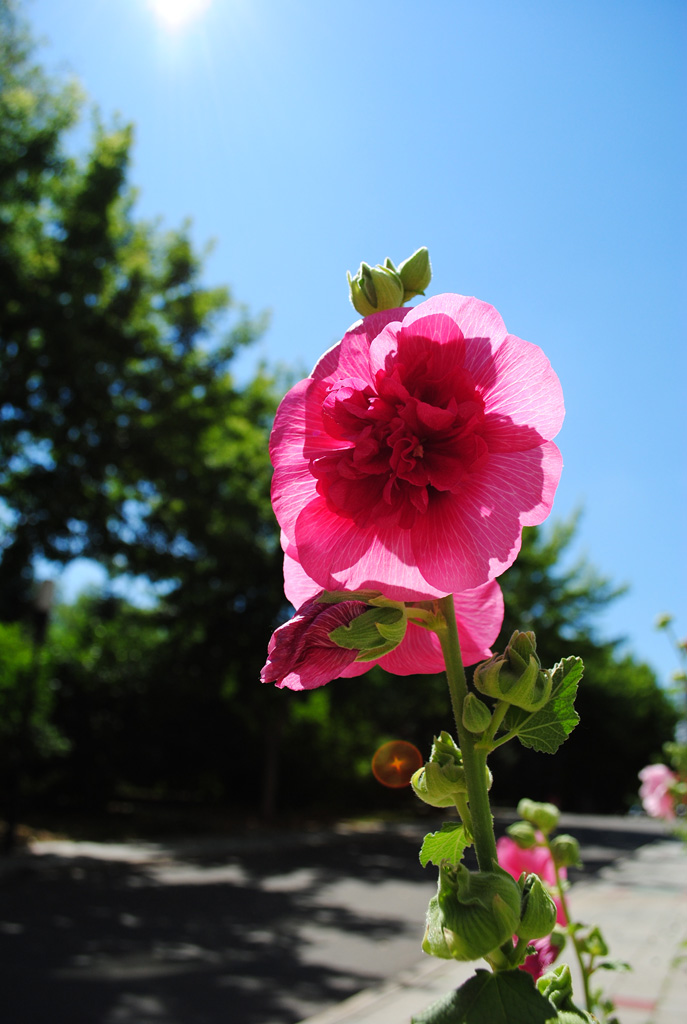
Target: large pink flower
x: 657, y: 800
x: 411, y: 458
x: 301, y: 655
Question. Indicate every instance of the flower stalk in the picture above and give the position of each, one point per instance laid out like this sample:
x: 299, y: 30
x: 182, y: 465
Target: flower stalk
x: 474, y: 759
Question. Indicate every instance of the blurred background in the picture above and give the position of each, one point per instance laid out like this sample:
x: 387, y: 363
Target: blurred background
x: 538, y: 150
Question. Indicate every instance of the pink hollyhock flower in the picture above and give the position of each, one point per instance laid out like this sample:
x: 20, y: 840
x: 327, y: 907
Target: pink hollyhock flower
x: 538, y: 861
x: 411, y: 458
x: 535, y: 861
x: 546, y: 953
x: 301, y: 655
x: 654, y: 792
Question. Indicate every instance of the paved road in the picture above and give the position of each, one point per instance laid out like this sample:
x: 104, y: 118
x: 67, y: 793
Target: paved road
x: 267, y: 929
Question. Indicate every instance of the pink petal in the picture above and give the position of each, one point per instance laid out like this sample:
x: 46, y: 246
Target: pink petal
x: 479, y: 614
x: 338, y: 555
x: 350, y: 356
x: 298, y: 586
x: 476, y: 534
x: 525, y: 393
x: 476, y: 319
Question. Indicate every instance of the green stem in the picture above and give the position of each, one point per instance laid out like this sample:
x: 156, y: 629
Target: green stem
x: 578, y: 952
x: 474, y: 760
x: 500, y: 712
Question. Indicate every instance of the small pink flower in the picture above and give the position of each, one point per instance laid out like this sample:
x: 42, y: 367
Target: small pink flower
x: 538, y: 861
x: 301, y: 655
x: 654, y: 792
x: 545, y: 954
x: 411, y: 458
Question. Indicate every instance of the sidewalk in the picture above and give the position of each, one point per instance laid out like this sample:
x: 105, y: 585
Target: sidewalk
x: 641, y: 906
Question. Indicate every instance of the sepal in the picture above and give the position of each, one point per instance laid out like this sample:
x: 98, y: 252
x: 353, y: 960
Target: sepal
x: 472, y: 914
x: 538, y: 910
x: 516, y: 676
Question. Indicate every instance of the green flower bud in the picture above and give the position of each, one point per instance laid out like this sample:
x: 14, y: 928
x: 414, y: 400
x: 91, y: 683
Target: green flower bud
x: 416, y: 273
x: 556, y: 986
x: 442, y: 778
x: 538, y: 911
x: 566, y: 851
x: 472, y: 914
x: 542, y: 816
x: 374, y: 633
x: 375, y: 288
x: 438, y: 786
x: 664, y: 620
x: 523, y: 833
x: 516, y: 676
x: 476, y: 714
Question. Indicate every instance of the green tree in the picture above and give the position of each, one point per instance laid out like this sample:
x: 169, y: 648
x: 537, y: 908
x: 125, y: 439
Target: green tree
x: 123, y: 435
x: 625, y: 716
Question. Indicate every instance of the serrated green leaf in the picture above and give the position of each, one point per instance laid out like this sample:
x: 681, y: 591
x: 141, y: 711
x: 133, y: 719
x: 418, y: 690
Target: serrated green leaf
x: 507, y: 997
x: 446, y: 844
x: 546, y: 729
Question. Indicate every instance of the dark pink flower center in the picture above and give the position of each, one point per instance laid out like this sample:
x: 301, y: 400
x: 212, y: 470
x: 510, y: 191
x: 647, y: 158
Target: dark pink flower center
x: 405, y: 438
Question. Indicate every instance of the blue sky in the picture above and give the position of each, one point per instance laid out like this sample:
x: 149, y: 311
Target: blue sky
x: 537, y: 148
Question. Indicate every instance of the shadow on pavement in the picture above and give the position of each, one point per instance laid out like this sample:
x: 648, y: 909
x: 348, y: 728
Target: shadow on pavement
x: 228, y: 932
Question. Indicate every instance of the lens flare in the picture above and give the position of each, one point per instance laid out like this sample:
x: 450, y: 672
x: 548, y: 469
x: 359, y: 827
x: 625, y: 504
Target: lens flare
x: 395, y: 763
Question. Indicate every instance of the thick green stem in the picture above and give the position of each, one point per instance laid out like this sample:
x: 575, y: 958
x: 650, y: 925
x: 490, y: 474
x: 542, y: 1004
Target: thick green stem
x: 474, y: 760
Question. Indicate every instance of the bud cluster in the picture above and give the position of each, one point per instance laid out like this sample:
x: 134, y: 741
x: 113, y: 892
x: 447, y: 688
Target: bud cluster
x: 386, y: 286
x: 516, y: 676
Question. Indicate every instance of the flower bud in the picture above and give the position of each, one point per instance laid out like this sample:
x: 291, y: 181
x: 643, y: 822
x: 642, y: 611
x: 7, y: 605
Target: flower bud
x: 472, y: 914
x: 476, y: 714
x: 542, y: 816
x: 664, y: 620
x: 516, y: 676
x: 375, y: 288
x: 566, y: 851
x: 416, y: 273
x: 373, y: 634
x: 523, y: 833
x: 439, y: 786
x: 538, y: 910
x: 442, y: 778
x: 556, y: 985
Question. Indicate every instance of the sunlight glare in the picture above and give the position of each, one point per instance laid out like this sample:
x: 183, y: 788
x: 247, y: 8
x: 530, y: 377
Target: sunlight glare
x: 175, y: 14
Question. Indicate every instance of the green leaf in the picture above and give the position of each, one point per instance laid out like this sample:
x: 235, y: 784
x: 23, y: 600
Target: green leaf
x: 613, y: 965
x: 507, y: 997
x: 546, y: 729
x: 446, y: 844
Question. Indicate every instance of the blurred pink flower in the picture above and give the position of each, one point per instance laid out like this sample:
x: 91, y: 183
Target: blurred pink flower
x: 538, y: 963
x: 537, y: 861
x: 301, y: 655
x: 654, y: 793
x: 411, y: 458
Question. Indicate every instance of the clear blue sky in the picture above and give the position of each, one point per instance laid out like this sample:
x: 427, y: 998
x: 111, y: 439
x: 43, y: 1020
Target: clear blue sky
x: 538, y: 150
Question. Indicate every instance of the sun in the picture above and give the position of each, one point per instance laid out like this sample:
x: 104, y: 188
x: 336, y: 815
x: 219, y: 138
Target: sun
x: 175, y: 14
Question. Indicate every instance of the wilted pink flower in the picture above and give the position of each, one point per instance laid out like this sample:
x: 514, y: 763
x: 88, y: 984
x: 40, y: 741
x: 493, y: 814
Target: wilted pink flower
x: 538, y: 861
x: 301, y: 655
x: 411, y: 458
x: 654, y: 793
